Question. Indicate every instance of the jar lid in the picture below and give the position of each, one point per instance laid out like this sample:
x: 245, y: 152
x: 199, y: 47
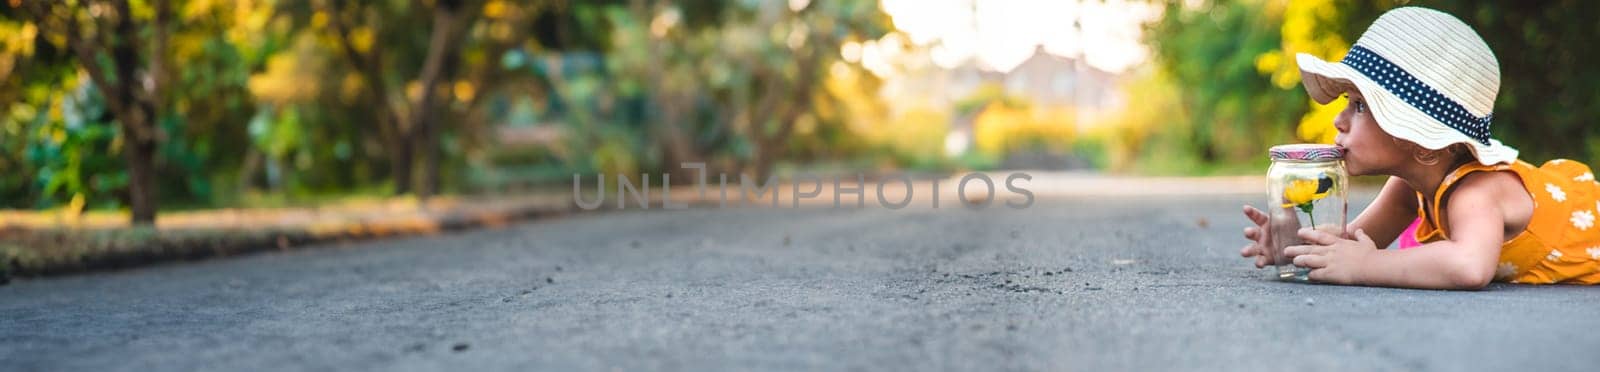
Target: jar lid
x: 1306, y: 152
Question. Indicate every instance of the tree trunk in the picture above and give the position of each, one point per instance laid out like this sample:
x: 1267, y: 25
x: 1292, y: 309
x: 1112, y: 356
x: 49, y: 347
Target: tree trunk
x: 400, y: 155
x: 142, y: 189
x: 787, y: 109
x: 761, y: 166
x: 135, y: 105
x: 676, y: 145
x: 438, y: 68
x: 428, y: 145
x: 138, y: 119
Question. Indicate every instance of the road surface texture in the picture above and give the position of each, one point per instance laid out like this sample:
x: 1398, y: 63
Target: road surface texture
x: 1071, y: 283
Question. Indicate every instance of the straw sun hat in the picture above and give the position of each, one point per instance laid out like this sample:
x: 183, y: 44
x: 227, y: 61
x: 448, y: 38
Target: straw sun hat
x: 1427, y: 76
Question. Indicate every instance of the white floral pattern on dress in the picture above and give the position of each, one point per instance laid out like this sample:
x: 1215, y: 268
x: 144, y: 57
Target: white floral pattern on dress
x: 1555, y: 192
x: 1586, y: 176
x: 1555, y: 254
x: 1505, y: 270
x: 1594, y: 253
x: 1583, y: 219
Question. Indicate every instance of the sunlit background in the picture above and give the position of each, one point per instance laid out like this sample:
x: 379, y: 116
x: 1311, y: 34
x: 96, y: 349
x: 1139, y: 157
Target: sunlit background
x: 112, y: 106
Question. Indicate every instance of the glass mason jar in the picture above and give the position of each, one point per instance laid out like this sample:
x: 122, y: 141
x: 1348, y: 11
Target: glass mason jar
x: 1305, y: 187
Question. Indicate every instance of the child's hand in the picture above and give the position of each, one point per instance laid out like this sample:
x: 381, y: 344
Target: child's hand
x: 1332, y: 259
x: 1258, y: 237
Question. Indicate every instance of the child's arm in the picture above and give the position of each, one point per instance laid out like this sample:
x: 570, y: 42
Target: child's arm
x: 1388, y: 215
x: 1466, y: 261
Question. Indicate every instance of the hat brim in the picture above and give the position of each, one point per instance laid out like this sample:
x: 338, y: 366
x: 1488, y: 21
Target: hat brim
x: 1325, y: 81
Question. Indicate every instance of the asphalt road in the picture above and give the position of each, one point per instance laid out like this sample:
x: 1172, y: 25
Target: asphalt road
x: 1075, y: 283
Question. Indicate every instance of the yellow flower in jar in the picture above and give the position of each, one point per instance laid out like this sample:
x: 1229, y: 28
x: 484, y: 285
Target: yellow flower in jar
x: 1300, y: 193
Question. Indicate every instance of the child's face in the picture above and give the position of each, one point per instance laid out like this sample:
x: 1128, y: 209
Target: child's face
x: 1368, y: 149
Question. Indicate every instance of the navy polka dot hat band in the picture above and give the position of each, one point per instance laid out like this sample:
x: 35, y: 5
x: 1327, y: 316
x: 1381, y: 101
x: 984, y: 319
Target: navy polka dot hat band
x: 1427, y: 77
x: 1420, y: 96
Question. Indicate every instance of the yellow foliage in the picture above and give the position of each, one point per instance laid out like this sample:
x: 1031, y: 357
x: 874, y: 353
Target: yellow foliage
x: 1131, y: 134
x: 495, y: 9
x: 501, y: 31
x: 1303, y: 22
x: 1001, y: 128
x: 56, y: 113
x: 18, y: 38
x: 1317, y: 125
x: 74, y: 209
x: 464, y: 90
x: 918, y: 132
x: 319, y: 20
x: 1305, y: 30
x: 140, y: 9
x: 276, y: 84
x: 414, y: 90
x: 844, y: 82
x: 915, y: 131
x: 1271, y: 62
x: 196, y: 10
x: 350, y: 87
x: 290, y: 77
x: 361, y: 38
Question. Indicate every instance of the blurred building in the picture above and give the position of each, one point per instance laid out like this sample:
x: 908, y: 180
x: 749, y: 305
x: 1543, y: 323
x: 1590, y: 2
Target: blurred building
x: 1047, y: 81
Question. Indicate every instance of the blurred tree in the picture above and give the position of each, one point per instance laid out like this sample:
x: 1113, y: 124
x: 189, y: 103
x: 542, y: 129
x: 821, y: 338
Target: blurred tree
x: 26, y: 77
x: 288, y: 94
x: 1227, y: 112
x: 1132, y: 134
x: 408, y: 107
x: 740, y: 86
x: 853, y: 123
x: 109, y: 40
x: 359, y: 68
x: 66, y: 129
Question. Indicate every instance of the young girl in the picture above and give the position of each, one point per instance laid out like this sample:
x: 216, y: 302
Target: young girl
x: 1421, y: 86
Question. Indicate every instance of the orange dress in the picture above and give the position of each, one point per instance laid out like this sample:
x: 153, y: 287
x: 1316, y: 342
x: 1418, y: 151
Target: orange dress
x: 1562, y: 241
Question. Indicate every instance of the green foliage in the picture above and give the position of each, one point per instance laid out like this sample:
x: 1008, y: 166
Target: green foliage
x: 675, y: 85
x: 73, y: 152
x: 64, y: 144
x: 1227, y: 111
x: 261, y: 98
